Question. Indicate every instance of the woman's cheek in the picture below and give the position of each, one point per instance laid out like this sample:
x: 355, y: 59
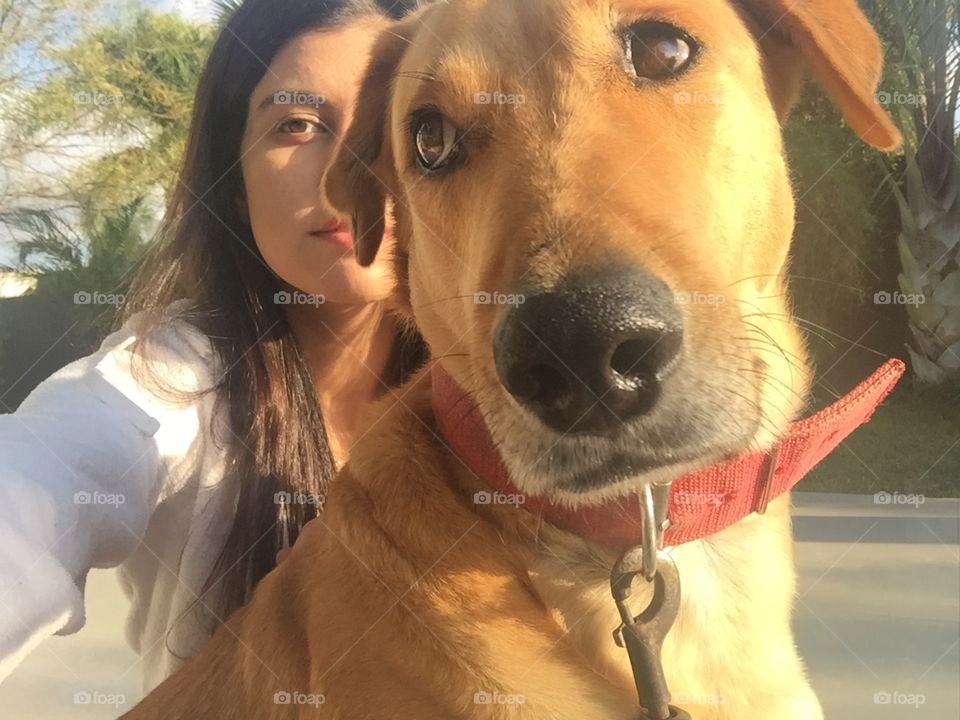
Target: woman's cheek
x: 272, y: 213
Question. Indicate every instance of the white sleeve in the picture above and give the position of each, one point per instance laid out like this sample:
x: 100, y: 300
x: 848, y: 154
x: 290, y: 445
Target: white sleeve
x: 83, y: 463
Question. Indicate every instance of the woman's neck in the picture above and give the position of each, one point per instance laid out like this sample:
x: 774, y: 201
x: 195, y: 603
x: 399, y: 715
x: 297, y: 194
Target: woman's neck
x: 346, y: 348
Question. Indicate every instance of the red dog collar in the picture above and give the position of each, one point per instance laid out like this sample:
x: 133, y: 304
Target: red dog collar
x: 701, y: 503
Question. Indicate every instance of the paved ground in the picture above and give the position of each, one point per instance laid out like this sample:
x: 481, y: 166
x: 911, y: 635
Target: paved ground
x: 878, y: 620
x: 878, y: 616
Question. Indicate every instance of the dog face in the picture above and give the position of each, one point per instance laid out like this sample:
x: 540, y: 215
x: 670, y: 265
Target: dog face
x: 594, y: 215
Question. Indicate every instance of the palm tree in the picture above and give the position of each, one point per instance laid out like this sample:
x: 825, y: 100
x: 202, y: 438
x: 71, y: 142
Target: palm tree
x: 225, y: 9
x: 98, y: 247
x: 929, y: 241
x: 83, y: 264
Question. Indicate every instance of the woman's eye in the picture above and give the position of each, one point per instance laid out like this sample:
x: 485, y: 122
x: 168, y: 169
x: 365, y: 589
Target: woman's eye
x: 436, y: 141
x: 657, y: 51
x: 297, y: 126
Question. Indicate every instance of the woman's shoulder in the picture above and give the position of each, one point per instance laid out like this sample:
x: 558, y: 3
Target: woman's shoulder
x: 171, y: 336
x: 162, y: 351
x: 152, y: 359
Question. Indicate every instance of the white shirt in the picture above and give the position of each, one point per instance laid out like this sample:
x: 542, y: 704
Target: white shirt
x: 99, y: 470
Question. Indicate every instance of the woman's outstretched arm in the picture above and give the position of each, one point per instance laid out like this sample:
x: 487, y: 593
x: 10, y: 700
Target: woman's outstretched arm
x: 83, y: 463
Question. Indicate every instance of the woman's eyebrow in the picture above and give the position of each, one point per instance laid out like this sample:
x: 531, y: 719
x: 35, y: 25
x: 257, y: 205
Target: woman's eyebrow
x: 302, y: 98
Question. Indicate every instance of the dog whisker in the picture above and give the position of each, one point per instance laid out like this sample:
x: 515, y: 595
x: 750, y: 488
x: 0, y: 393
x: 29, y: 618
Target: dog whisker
x: 753, y: 327
x: 440, y: 300
x: 809, y: 331
x: 725, y: 407
x: 398, y: 36
x: 776, y: 381
x: 762, y: 344
x: 417, y: 75
x: 765, y: 422
x: 844, y: 338
x: 434, y: 358
x: 793, y: 276
x: 810, y: 324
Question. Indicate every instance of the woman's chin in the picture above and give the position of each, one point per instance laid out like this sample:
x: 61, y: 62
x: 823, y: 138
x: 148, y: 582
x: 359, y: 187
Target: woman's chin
x: 324, y: 272
x: 347, y: 283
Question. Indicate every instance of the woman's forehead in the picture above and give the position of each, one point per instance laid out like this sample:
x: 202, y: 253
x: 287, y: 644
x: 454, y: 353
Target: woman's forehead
x: 333, y: 56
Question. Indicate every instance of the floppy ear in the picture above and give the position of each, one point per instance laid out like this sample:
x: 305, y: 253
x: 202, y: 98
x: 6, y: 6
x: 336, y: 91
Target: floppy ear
x: 358, y: 180
x: 840, y: 47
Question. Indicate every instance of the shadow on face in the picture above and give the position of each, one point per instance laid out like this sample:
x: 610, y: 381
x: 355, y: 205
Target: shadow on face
x: 296, y: 116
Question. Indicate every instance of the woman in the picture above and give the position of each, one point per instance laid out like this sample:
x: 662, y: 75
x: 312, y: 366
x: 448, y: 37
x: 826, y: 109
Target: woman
x: 199, y: 439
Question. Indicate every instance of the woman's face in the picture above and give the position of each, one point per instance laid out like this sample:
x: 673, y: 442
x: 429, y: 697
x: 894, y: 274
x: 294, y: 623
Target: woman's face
x: 296, y: 115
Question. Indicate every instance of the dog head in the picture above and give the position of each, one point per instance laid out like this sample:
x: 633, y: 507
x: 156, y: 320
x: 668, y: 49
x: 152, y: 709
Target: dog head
x: 594, y: 215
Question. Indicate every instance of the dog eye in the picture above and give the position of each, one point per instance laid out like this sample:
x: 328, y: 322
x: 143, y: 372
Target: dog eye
x: 657, y: 51
x: 436, y: 140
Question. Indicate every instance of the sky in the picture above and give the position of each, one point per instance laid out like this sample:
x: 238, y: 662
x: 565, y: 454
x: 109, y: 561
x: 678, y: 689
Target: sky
x: 193, y: 9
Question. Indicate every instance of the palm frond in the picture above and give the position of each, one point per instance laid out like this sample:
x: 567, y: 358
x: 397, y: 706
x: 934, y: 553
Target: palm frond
x: 225, y: 10
x: 44, y: 240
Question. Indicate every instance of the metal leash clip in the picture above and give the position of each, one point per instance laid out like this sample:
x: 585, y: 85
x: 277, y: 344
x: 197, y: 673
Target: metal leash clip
x: 642, y: 635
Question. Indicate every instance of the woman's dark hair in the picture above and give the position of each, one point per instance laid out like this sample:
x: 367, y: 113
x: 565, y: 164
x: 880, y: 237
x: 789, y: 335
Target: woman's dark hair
x: 206, y: 253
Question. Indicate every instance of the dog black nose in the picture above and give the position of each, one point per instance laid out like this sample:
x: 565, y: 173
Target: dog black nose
x: 590, y: 354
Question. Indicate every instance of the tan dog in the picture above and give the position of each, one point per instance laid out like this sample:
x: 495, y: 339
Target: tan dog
x: 596, y: 157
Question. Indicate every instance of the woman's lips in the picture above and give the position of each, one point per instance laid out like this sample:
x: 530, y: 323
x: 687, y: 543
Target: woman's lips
x: 333, y: 226
x: 336, y: 232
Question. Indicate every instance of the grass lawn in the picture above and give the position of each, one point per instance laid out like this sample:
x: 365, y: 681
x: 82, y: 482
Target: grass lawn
x: 911, y: 445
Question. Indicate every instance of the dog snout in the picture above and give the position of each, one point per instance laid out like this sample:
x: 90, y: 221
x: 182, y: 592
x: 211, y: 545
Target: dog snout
x: 590, y: 354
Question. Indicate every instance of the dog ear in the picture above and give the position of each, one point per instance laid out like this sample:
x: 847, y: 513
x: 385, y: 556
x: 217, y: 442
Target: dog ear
x: 842, y: 50
x: 361, y: 174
